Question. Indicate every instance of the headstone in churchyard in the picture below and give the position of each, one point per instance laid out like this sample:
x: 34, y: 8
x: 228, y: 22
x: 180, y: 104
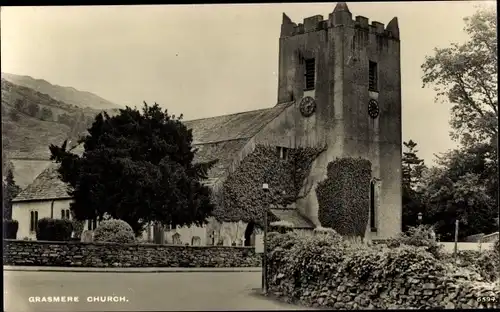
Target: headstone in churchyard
x: 87, y: 236
x: 259, y: 243
x: 196, y: 241
x: 176, y: 239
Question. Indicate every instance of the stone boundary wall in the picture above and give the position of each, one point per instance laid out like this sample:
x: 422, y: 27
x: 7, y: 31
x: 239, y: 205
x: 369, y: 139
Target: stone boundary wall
x: 78, y: 254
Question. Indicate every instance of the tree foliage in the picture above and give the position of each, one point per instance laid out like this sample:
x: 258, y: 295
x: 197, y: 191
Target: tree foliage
x: 46, y: 114
x: 137, y: 167
x: 466, y: 75
x: 412, y: 170
x: 413, y: 166
x: 10, y: 191
x: 464, y: 185
x: 33, y: 109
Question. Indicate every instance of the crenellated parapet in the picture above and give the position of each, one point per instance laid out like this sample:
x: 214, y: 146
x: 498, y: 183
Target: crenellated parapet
x: 377, y: 28
x: 341, y: 16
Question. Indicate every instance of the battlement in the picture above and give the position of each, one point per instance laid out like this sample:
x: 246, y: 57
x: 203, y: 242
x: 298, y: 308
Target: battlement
x: 391, y: 31
x: 341, y: 16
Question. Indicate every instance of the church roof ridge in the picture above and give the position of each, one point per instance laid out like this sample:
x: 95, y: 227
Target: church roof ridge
x: 240, y: 113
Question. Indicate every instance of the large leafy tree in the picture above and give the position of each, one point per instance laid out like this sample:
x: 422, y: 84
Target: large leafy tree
x: 466, y: 76
x: 137, y: 167
x: 465, y: 185
x: 413, y: 168
x: 455, y: 191
x: 9, y: 191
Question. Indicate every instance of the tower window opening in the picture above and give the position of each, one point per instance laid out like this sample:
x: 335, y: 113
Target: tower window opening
x: 310, y: 65
x: 372, y: 76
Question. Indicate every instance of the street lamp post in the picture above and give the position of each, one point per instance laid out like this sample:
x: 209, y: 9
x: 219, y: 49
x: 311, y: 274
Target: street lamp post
x: 265, y: 189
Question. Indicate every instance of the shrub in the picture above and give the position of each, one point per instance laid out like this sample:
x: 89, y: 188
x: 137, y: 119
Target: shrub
x: 485, y: 263
x: 420, y: 236
x: 324, y: 270
x: 114, y: 231
x: 496, y: 250
x: 10, y: 228
x: 487, y: 266
x: 78, y: 228
x: 281, y: 226
x: 49, y: 229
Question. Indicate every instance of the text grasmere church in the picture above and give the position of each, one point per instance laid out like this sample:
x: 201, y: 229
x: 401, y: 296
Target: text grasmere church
x: 339, y: 88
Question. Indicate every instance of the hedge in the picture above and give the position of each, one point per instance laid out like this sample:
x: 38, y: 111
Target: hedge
x: 485, y: 263
x: 49, y: 229
x: 343, y: 197
x: 242, y: 198
x: 10, y: 228
x: 420, y: 236
x: 114, y: 231
x: 327, y: 271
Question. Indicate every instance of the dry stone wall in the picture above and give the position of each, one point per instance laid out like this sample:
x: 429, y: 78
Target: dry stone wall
x: 78, y: 254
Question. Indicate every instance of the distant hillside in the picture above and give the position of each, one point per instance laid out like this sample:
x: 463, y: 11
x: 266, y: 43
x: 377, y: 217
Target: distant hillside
x: 67, y: 95
x: 31, y: 121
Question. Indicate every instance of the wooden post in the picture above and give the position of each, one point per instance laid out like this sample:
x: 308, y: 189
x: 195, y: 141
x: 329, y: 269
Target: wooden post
x: 264, y: 256
x: 455, y: 251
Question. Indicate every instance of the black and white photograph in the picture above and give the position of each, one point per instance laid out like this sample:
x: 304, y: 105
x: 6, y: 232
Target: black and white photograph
x: 257, y: 156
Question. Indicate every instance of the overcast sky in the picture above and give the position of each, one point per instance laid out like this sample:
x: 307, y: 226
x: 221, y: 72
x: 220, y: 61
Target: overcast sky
x: 207, y: 60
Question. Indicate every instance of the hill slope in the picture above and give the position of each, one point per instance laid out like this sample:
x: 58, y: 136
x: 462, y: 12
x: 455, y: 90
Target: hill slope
x: 31, y: 121
x: 67, y: 95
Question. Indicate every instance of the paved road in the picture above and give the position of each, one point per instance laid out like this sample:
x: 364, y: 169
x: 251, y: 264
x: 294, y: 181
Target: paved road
x: 175, y: 291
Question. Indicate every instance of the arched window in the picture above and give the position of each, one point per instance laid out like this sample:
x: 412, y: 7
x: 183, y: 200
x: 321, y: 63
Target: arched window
x: 65, y: 214
x: 373, y: 212
x: 33, y: 220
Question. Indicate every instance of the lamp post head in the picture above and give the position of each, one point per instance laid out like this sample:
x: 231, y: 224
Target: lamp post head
x: 420, y: 216
x: 265, y: 187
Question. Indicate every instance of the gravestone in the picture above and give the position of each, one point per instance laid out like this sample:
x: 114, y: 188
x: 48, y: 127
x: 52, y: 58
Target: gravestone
x: 196, y: 241
x: 87, y: 236
x: 176, y: 239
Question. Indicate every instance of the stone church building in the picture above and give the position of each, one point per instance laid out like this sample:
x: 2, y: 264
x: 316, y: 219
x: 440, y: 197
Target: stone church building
x: 339, y: 87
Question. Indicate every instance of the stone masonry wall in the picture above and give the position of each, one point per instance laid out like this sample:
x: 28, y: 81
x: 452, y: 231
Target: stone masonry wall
x: 78, y: 254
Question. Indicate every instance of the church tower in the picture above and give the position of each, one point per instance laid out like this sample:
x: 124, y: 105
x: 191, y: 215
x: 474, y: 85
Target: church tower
x: 345, y: 75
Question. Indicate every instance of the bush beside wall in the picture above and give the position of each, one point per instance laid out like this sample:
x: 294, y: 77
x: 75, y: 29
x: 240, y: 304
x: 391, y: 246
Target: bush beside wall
x: 114, y: 231
x: 327, y: 271
x: 10, y: 228
x: 54, y: 229
x: 78, y: 254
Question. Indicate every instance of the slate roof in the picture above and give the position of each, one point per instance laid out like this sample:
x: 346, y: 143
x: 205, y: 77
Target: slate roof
x: 46, y: 186
x: 294, y: 217
x: 234, y: 126
x: 224, y: 151
x: 220, y: 137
